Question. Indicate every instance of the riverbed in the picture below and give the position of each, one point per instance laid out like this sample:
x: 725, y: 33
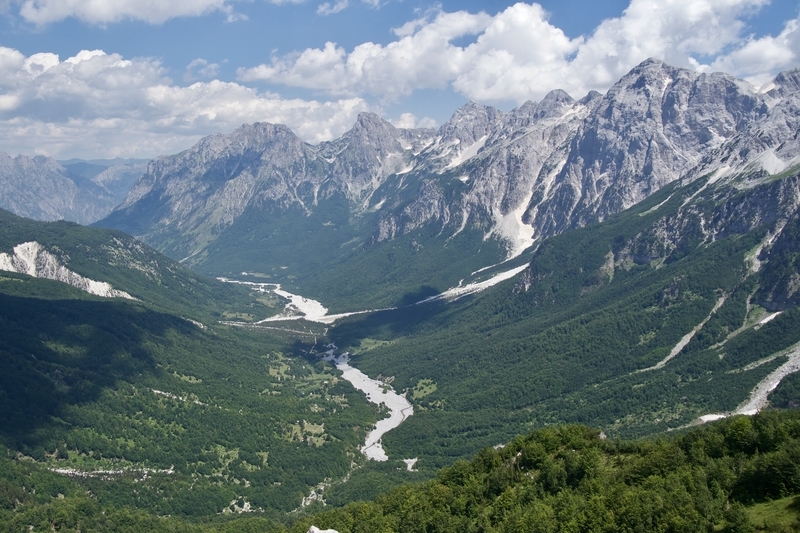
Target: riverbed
x: 378, y: 393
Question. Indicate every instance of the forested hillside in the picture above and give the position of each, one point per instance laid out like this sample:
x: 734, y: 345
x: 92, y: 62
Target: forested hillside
x: 738, y: 475
x: 147, y: 409
x: 613, y: 324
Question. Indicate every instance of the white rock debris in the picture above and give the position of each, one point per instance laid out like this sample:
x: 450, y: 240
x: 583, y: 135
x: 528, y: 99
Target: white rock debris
x: 32, y: 259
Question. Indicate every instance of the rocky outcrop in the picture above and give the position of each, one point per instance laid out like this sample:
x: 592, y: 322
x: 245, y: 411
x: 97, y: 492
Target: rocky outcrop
x: 33, y: 259
x: 651, y: 127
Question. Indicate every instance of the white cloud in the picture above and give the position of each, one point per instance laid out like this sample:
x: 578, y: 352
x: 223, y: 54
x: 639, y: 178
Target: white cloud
x: 758, y: 59
x: 330, y: 9
x: 422, y: 59
x: 408, y: 120
x: 518, y: 54
x: 105, y: 11
x: 101, y: 105
x: 200, y: 69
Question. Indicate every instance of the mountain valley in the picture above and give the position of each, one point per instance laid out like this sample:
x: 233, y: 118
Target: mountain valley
x: 627, y: 261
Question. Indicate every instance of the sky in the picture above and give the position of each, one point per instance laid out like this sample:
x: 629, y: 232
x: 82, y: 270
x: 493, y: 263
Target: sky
x: 141, y: 78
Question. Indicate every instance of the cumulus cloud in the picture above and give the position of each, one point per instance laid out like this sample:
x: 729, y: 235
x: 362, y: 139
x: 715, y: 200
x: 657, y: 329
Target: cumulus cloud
x: 423, y: 58
x: 518, y: 54
x: 101, y: 105
x: 409, y: 120
x: 200, y: 69
x: 758, y: 59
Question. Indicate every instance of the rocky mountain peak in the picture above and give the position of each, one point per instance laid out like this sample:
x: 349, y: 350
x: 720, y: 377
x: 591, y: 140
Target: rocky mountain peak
x: 553, y: 104
x: 469, y: 123
x: 591, y: 96
x: 785, y: 83
x: 371, y: 130
x: 541, y: 169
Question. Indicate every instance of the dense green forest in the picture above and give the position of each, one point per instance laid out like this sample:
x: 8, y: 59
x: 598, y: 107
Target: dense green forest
x: 150, y: 411
x: 737, y: 475
x: 579, y: 336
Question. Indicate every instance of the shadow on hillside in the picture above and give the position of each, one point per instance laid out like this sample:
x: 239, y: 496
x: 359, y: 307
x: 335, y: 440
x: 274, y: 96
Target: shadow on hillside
x: 57, y: 353
x: 402, y: 321
x: 411, y: 298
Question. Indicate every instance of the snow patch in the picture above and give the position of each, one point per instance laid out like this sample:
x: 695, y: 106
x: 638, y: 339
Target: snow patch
x: 467, y: 153
x: 512, y: 228
x: 766, y: 88
x: 771, y: 162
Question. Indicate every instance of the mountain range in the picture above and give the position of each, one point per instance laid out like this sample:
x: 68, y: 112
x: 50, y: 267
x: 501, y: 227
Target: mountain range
x: 628, y: 261
x: 481, y: 189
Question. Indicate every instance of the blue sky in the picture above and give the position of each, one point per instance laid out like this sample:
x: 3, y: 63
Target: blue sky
x: 139, y: 78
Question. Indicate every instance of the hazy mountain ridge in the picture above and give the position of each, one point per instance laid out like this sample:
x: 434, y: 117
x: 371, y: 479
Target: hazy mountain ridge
x: 43, y: 189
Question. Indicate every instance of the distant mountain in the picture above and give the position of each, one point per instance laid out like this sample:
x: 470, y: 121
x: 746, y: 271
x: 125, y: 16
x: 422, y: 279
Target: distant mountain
x: 402, y: 203
x: 44, y: 189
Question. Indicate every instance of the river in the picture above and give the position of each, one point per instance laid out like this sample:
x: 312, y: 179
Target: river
x: 377, y: 392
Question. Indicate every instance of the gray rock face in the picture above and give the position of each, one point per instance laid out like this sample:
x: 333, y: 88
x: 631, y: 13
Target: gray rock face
x: 183, y: 202
x: 536, y: 171
x: 652, y: 126
x: 364, y: 156
x: 764, y: 147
